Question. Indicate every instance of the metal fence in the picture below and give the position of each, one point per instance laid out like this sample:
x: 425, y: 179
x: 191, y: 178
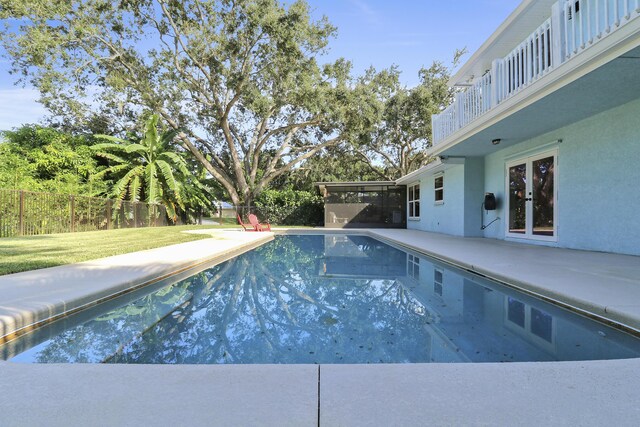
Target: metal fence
x: 26, y: 213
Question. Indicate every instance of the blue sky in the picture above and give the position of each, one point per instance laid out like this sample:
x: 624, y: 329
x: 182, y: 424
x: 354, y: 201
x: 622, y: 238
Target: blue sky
x: 408, y: 33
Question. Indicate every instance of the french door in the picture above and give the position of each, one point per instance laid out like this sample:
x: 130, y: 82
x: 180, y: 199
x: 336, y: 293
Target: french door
x: 532, y: 190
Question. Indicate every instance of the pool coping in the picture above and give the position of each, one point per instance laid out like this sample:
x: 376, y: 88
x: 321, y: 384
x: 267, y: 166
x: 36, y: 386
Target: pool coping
x: 553, y: 393
x: 29, y: 300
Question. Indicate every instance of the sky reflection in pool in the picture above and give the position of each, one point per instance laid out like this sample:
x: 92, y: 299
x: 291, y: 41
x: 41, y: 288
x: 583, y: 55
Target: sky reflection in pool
x: 326, y: 299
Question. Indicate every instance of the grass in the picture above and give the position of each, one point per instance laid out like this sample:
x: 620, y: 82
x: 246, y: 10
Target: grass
x: 33, y: 252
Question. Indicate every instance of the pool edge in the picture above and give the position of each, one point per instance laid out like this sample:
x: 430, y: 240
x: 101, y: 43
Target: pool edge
x: 16, y: 321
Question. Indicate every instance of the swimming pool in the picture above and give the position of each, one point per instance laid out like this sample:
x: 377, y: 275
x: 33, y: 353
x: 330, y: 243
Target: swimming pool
x: 324, y: 299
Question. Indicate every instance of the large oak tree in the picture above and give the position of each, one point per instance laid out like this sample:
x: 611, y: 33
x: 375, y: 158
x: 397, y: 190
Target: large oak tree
x: 397, y: 142
x: 240, y: 79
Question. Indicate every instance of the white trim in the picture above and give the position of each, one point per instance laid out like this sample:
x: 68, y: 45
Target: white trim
x: 577, y: 66
x: 527, y: 16
x: 412, y: 175
x: 411, y: 187
x: 413, y: 267
x: 528, y: 160
x: 435, y: 189
x: 438, y: 283
x: 435, y: 167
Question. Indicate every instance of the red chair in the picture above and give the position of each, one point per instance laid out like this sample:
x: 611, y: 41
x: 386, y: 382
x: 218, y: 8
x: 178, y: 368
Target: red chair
x: 246, y: 228
x: 256, y: 224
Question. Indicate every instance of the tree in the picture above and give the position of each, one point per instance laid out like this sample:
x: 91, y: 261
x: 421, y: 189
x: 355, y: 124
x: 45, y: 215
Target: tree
x: 39, y: 158
x: 403, y: 132
x: 336, y: 164
x: 147, y: 169
x: 240, y: 79
x: 16, y: 172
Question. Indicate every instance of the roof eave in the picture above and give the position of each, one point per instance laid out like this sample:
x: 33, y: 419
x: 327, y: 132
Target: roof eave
x: 467, y: 72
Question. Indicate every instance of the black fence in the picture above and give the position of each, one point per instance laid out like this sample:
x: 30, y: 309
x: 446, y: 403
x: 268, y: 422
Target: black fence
x: 26, y: 213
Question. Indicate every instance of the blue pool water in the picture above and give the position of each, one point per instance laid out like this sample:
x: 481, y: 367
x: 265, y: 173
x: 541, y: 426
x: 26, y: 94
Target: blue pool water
x: 324, y: 299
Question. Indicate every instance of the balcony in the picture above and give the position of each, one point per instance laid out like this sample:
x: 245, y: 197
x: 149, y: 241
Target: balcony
x: 573, y: 27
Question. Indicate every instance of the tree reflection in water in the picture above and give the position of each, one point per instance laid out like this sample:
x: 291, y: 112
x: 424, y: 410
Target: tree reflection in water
x: 325, y: 299
x: 271, y: 305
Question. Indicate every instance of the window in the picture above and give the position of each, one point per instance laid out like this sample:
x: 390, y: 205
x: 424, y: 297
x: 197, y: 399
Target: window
x: 414, y: 201
x: 438, y: 187
x: 535, y: 325
x: 437, y: 281
x: 413, y: 266
x: 515, y: 311
x: 542, y: 324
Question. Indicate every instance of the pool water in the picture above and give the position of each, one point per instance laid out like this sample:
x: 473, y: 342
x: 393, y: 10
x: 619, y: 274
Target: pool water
x: 325, y: 299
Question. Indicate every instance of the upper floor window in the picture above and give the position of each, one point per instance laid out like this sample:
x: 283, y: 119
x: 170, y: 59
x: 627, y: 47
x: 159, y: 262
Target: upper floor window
x: 438, y: 187
x: 414, y: 201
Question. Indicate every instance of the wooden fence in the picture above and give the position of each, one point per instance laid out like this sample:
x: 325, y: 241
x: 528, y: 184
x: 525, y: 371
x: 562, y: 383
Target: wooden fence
x: 26, y: 213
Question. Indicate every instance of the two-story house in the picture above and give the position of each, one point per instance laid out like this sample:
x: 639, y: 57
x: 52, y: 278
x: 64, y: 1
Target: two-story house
x: 542, y: 142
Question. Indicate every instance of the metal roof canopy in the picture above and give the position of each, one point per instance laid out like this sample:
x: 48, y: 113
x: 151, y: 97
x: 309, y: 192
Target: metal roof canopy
x: 323, y: 185
x: 353, y: 183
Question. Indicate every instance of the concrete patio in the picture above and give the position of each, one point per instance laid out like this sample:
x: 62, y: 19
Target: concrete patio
x: 549, y: 393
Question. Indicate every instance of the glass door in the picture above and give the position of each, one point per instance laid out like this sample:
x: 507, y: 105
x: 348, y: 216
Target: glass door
x: 517, y: 198
x: 532, y: 196
x: 543, y: 196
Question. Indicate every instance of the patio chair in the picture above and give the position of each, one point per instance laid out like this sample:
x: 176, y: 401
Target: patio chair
x: 256, y: 224
x: 246, y: 227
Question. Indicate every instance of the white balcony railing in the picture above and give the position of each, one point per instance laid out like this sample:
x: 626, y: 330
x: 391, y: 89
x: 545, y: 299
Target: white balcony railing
x: 587, y: 21
x: 525, y: 64
x: 574, y: 26
x: 475, y: 100
x: 468, y: 105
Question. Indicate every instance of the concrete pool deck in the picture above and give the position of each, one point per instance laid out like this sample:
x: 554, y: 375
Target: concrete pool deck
x: 549, y: 393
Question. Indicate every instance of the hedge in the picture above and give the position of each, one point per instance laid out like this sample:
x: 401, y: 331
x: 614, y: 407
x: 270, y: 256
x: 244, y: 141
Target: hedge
x: 291, y: 207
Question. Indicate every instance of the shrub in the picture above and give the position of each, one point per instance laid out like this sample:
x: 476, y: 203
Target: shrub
x: 290, y: 207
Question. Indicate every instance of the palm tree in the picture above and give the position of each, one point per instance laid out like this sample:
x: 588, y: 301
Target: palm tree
x: 148, y: 167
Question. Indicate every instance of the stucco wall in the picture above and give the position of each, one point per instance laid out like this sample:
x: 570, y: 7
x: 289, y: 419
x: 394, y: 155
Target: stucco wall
x: 445, y: 218
x: 473, y: 196
x: 598, y: 176
x: 459, y: 215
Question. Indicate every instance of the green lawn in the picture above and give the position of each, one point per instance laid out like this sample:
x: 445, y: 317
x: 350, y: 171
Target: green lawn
x: 33, y: 252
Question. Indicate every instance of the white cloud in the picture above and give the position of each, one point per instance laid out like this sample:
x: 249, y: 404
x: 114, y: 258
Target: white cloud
x: 365, y: 10
x: 19, y: 106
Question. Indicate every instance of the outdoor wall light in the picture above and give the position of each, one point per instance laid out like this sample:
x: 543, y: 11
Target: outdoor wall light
x: 496, y: 141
